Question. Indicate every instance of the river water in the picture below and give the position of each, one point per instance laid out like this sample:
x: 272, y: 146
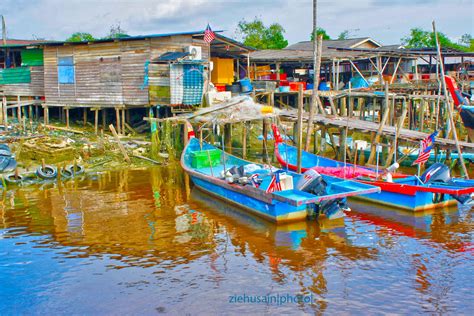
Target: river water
x: 145, y: 242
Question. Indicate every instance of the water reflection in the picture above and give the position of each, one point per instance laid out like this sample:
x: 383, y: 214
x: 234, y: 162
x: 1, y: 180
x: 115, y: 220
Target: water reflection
x: 147, y: 237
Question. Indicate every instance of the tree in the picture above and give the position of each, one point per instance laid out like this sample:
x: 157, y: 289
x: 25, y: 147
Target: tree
x: 116, y: 31
x: 80, y: 37
x: 257, y: 35
x: 321, y: 31
x: 343, y: 35
x: 419, y: 38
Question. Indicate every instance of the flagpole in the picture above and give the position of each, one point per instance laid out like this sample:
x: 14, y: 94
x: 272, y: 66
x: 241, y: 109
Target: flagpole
x: 419, y: 164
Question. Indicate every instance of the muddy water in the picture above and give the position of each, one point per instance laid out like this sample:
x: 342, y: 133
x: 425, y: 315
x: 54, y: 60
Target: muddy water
x: 144, y: 241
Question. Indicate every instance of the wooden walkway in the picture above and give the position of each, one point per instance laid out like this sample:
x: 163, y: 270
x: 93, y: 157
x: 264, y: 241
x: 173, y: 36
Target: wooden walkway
x: 367, y: 127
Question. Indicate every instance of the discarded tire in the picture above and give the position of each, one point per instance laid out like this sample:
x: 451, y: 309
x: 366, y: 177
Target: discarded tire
x: 66, y: 174
x: 75, y: 171
x: 12, y: 179
x: 47, y: 173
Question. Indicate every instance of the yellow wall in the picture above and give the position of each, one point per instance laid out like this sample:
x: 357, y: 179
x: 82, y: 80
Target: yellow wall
x: 223, y: 71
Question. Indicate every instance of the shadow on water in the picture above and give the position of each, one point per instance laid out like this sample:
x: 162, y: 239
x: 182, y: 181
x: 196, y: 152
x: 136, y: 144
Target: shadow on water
x: 145, y: 241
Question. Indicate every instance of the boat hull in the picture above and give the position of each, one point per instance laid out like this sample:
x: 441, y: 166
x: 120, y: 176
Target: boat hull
x: 275, y: 211
x: 403, y: 194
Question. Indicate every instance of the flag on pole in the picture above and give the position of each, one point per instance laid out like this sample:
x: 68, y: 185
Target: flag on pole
x: 275, y: 184
x: 209, y: 35
x: 425, y: 149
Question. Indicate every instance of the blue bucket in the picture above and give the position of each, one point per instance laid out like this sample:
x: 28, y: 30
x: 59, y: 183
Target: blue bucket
x: 246, y: 85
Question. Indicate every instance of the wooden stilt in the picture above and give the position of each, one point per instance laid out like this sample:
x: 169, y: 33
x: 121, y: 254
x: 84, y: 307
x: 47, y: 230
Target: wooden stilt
x: 117, y: 121
x: 84, y: 117
x: 18, y: 110
x: 46, y: 115
x: 67, y: 117
x: 300, y: 127
x: 264, y: 141
x: 96, y: 121
x: 123, y: 124
x: 244, y: 140
x: 104, y: 118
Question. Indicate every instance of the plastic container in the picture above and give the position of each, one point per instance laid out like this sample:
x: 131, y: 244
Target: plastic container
x: 200, y: 159
x: 220, y: 87
x: 294, y: 86
x: 246, y: 85
x: 284, y: 88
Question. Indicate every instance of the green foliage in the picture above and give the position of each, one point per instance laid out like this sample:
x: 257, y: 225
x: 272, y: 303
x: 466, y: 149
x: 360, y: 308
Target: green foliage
x: 321, y: 31
x: 419, y: 38
x: 80, y: 37
x: 257, y: 35
x: 343, y: 35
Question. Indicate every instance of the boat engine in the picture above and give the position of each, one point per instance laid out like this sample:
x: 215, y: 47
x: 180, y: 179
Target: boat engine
x: 312, y: 182
x: 440, y: 173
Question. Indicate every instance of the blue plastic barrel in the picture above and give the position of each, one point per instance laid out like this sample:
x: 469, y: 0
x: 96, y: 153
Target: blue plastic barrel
x: 246, y: 85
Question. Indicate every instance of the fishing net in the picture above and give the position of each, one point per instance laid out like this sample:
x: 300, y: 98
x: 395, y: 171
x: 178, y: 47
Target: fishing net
x: 238, y: 109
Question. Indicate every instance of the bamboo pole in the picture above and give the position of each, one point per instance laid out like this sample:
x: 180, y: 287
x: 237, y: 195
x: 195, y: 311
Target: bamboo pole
x: 299, y: 143
x: 448, y: 103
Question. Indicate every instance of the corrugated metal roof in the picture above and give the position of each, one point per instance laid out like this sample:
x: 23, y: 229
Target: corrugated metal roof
x: 347, y: 43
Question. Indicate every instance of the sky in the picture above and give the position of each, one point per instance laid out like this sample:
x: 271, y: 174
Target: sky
x: 386, y: 21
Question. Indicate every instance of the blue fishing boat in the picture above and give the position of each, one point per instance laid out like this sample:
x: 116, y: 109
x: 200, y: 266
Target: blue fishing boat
x: 265, y: 191
x: 434, y: 189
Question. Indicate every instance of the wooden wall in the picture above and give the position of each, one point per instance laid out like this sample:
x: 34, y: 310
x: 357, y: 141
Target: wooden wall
x: 33, y: 89
x: 108, y: 74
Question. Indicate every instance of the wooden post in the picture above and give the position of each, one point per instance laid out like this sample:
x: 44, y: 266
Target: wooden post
x: 317, y: 50
x: 244, y: 140
x: 448, y: 104
x: 228, y: 137
x: 18, y: 110
x: 123, y: 123
x: 117, y: 120
x: 322, y: 147
x: 117, y: 139
x: 399, y: 126
x: 46, y: 115
x: 264, y: 141
x: 96, y: 121
x: 104, y: 118
x: 67, y: 117
x: 300, y: 127
x: 4, y: 111
x: 84, y: 117
x: 380, y: 129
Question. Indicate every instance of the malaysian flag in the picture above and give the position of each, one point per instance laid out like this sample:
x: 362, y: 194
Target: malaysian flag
x: 425, y: 149
x: 209, y: 35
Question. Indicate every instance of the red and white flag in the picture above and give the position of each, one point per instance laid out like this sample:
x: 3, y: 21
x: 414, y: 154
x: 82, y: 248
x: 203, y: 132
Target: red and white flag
x: 209, y: 35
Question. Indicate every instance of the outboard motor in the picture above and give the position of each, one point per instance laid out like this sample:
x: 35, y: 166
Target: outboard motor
x: 440, y: 173
x: 312, y: 182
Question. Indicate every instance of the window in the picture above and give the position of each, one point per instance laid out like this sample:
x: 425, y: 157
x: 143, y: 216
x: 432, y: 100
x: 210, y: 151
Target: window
x: 66, y: 69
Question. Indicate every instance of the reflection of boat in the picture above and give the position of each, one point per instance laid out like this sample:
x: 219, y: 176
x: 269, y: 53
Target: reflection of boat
x: 405, y: 192
x: 287, y: 235
x: 278, y: 205
x: 421, y: 225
